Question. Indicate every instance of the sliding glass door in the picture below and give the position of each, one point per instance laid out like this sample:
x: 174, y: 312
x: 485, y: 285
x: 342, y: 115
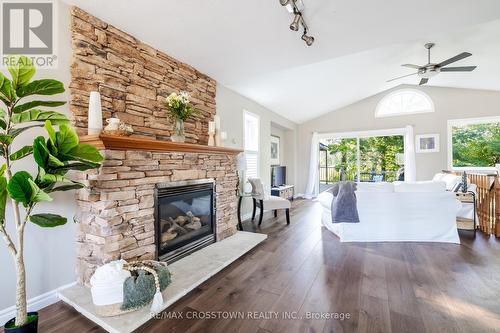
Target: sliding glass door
x: 363, y: 156
x: 381, y: 157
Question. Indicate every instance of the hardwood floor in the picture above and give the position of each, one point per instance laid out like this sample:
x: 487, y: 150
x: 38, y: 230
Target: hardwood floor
x: 304, y: 271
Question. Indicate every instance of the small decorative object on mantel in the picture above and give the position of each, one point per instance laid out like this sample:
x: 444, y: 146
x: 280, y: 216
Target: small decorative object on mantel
x: 180, y: 110
x: 119, y: 287
x: 211, y: 133
x: 217, y: 130
x: 94, y: 114
x: 113, y: 124
x: 116, y: 127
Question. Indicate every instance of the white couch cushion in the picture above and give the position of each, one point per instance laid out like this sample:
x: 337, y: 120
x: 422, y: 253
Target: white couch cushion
x: 272, y: 203
x: 450, y: 179
x: 325, y: 199
x: 438, y: 177
x: 375, y: 187
x: 426, y: 186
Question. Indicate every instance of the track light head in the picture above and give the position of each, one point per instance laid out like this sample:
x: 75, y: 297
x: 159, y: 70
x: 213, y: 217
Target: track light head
x: 296, y: 21
x: 296, y: 7
x: 308, y: 39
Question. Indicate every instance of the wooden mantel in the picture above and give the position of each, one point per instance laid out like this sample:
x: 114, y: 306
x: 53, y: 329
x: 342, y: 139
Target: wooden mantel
x: 114, y: 142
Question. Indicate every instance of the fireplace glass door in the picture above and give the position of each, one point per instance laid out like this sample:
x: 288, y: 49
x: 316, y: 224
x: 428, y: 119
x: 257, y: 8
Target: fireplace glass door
x: 185, y: 219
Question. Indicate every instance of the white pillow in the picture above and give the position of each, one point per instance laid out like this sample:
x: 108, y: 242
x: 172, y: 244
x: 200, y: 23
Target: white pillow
x: 375, y: 187
x: 451, y: 180
x: 426, y: 186
x: 438, y: 177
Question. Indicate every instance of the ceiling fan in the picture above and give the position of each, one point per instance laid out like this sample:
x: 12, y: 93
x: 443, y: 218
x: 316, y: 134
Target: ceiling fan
x: 425, y: 72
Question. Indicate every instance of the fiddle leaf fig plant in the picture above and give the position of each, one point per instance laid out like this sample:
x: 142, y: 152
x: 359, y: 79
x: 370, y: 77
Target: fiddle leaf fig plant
x: 54, y: 156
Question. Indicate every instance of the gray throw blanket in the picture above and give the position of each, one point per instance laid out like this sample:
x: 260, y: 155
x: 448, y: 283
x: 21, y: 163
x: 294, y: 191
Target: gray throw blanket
x: 344, y: 205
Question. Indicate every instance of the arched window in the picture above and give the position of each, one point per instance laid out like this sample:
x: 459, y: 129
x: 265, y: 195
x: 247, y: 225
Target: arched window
x: 403, y: 102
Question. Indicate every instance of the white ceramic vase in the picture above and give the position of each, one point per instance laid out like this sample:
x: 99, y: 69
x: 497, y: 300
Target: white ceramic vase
x: 94, y: 114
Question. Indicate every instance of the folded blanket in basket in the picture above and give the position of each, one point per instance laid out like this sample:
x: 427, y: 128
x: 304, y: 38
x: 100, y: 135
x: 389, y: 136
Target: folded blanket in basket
x: 344, y: 203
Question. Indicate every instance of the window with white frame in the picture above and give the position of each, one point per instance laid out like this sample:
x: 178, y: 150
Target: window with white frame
x: 403, y: 102
x: 251, y: 131
x: 473, y: 143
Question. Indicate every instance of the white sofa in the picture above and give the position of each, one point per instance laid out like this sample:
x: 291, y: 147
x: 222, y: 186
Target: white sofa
x: 466, y: 211
x: 401, y: 212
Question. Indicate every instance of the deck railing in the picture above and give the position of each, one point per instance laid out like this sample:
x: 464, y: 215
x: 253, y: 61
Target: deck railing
x: 487, y: 201
x: 330, y: 175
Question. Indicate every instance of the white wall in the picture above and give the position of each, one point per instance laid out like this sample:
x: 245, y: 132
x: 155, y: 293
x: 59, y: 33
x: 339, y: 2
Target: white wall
x: 450, y: 103
x: 50, y: 253
x: 230, y: 106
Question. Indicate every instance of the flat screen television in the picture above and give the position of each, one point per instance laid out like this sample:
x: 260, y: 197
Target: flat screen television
x: 278, y: 176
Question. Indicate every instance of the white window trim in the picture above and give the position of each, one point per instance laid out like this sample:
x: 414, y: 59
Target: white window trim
x: 363, y: 134
x: 466, y: 121
x: 395, y: 92
x: 245, y: 112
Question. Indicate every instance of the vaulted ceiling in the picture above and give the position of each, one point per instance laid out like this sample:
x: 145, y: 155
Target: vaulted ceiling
x: 248, y: 47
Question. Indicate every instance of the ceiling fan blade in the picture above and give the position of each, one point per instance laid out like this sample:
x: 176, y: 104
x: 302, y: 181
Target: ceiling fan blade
x: 423, y: 81
x: 458, y: 69
x: 455, y: 58
x: 411, y: 66
x: 400, y: 77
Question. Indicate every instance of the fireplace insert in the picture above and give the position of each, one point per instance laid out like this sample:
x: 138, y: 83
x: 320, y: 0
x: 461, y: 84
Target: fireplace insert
x: 184, y: 218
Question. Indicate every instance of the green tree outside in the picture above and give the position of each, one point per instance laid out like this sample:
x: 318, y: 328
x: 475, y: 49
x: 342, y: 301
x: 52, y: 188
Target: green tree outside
x: 476, y: 145
x: 377, y: 157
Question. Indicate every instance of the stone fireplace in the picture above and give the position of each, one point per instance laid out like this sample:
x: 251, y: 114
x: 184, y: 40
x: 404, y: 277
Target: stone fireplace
x: 185, y: 215
x: 151, y: 198
x: 117, y: 215
x: 117, y: 212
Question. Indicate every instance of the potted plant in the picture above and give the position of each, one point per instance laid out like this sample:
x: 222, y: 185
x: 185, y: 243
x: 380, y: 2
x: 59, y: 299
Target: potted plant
x: 54, y: 157
x: 180, y: 110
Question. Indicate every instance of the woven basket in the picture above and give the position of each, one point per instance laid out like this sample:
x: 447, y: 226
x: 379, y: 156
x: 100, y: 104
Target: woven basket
x: 150, y: 268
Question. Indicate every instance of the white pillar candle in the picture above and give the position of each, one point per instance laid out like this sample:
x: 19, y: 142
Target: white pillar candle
x: 223, y: 137
x: 95, y: 113
x: 217, y: 122
x: 211, y: 127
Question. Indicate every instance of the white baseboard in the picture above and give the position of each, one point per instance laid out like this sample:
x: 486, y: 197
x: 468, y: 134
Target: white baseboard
x: 35, y: 303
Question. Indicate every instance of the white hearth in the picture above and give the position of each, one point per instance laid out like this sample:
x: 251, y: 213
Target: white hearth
x: 187, y: 273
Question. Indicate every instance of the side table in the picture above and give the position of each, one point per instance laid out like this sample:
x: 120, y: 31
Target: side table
x: 464, y: 223
x: 240, y: 199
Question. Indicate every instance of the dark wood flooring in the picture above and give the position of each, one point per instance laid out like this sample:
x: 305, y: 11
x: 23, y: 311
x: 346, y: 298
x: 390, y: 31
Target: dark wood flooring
x: 302, y: 273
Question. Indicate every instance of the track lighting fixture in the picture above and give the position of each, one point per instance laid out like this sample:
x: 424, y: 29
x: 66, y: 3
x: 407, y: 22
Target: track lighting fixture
x: 295, y: 7
x: 296, y: 21
x: 308, y: 39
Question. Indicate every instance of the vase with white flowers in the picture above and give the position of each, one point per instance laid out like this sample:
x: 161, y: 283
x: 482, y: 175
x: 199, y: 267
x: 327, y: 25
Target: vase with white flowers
x: 180, y: 110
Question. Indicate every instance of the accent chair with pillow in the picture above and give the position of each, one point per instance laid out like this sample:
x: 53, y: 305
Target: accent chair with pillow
x: 262, y: 198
